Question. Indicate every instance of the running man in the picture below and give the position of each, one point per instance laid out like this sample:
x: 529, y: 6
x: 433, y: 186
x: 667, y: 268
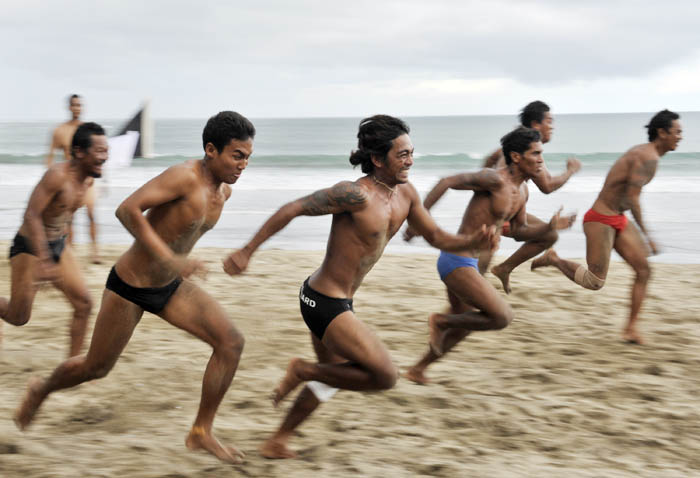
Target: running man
x: 535, y: 115
x: 500, y: 195
x: 39, y: 251
x: 183, y: 203
x: 61, y: 139
x: 606, y: 226
x: 366, y: 215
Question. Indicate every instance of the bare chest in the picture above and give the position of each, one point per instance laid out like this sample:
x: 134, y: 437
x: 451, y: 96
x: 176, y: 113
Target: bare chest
x: 506, y: 202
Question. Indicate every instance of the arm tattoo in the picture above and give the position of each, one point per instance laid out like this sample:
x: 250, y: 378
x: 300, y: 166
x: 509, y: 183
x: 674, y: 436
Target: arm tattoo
x: 341, y: 197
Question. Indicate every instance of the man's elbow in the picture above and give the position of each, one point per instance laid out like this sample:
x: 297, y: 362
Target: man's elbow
x: 123, y: 212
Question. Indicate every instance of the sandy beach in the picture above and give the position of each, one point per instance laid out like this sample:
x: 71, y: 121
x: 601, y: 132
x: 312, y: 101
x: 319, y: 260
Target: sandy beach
x: 556, y: 394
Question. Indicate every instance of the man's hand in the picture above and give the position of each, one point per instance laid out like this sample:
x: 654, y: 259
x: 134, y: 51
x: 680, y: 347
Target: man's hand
x: 573, y: 165
x: 47, y: 271
x: 185, y: 267
x: 237, y: 262
x: 559, y: 222
x: 409, y: 234
x: 486, y: 238
x: 654, y: 248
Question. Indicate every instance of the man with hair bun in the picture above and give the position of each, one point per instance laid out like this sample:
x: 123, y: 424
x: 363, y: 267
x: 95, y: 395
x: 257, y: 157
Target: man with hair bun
x: 181, y: 204
x: 40, y: 251
x: 606, y: 226
x: 535, y: 115
x: 366, y: 215
x: 500, y: 195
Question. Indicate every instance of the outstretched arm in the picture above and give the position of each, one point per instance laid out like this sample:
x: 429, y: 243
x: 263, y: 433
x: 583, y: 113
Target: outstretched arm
x: 483, y: 180
x: 522, y: 231
x: 493, y: 159
x: 422, y: 223
x: 345, y: 196
x: 548, y: 183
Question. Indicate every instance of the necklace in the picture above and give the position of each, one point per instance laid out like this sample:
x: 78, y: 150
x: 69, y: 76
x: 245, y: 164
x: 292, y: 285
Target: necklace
x: 391, y: 190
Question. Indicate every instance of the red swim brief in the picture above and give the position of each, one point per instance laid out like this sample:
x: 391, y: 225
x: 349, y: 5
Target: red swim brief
x: 617, y: 222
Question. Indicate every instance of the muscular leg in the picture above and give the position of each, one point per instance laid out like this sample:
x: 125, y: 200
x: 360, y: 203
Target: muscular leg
x: 451, y: 338
x: 193, y: 310
x: 90, y: 208
x: 600, y: 239
x: 305, y: 404
x: 113, y: 328
x: 631, y: 247
x: 18, y: 309
x: 71, y: 283
x: 526, y: 252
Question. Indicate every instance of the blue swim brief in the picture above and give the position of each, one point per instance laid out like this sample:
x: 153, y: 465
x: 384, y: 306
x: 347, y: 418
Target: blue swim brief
x: 448, y: 262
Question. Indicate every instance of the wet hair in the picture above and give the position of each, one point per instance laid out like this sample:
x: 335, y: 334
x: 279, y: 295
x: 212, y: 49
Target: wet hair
x: 375, y: 137
x: 533, y: 112
x: 518, y: 141
x: 82, y: 139
x: 71, y: 97
x: 661, y: 120
x: 225, y: 126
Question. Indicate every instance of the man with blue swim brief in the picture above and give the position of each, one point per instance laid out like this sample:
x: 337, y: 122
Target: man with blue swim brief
x: 499, y: 195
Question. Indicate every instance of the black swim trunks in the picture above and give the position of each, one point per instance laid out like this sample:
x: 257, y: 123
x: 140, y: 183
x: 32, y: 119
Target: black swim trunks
x: 152, y: 299
x: 319, y: 310
x: 21, y: 245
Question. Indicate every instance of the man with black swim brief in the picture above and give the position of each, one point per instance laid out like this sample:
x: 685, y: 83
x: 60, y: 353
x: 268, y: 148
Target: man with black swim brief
x: 366, y: 214
x: 39, y: 252
x: 182, y: 203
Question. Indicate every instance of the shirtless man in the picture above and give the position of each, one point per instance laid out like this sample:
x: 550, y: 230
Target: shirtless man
x: 535, y: 115
x: 61, y: 139
x: 39, y: 251
x: 606, y: 226
x: 366, y: 214
x: 500, y: 195
x: 183, y: 203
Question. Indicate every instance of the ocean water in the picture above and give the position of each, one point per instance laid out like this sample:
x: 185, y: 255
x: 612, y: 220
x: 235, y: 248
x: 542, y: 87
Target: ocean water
x: 294, y: 157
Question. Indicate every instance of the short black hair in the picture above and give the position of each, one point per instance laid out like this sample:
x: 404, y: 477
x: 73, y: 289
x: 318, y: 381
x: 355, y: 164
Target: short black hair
x: 225, y: 126
x: 375, y: 137
x: 82, y: 139
x: 519, y: 141
x: 661, y: 120
x: 70, y: 98
x: 533, y: 112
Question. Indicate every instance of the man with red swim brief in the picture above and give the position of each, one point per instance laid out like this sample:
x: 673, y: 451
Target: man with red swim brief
x: 605, y: 224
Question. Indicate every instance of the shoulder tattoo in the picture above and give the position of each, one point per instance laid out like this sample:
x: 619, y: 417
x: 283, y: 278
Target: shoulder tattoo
x: 338, y: 198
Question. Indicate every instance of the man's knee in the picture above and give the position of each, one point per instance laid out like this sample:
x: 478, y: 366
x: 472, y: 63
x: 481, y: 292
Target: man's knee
x: 233, y: 342
x: 587, y: 279
x: 643, y: 272
x: 18, y: 315
x: 502, y: 319
x: 550, y: 238
x: 83, y: 306
x: 98, y: 371
x: 387, y: 377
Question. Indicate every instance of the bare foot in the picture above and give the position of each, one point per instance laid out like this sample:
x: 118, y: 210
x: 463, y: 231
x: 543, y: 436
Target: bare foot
x: 503, y: 274
x: 96, y: 260
x: 290, y: 381
x: 277, y: 449
x: 30, y: 404
x: 546, y: 259
x: 416, y: 375
x: 199, y: 439
x: 631, y: 336
x: 437, y: 335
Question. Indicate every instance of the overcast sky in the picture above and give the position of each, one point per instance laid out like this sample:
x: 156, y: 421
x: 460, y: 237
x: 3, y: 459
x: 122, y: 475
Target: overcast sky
x: 353, y: 58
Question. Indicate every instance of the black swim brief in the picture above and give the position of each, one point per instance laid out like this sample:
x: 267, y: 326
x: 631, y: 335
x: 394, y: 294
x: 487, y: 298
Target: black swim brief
x: 21, y: 245
x: 319, y: 310
x: 151, y: 299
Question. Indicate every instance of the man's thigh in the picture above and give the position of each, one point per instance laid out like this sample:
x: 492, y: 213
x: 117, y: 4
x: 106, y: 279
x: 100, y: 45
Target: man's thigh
x: 474, y: 290
x: 71, y: 281
x: 600, y: 239
x: 352, y: 339
x: 193, y: 310
x: 23, y: 288
x: 631, y: 247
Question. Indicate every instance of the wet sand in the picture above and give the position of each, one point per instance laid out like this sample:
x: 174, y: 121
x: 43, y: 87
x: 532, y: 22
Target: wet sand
x: 556, y: 394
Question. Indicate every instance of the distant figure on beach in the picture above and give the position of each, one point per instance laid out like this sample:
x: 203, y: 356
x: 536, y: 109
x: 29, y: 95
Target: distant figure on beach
x: 366, y: 215
x: 61, y: 139
x: 535, y: 115
x: 183, y: 203
x: 39, y: 251
x: 500, y: 195
x: 606, y: 226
